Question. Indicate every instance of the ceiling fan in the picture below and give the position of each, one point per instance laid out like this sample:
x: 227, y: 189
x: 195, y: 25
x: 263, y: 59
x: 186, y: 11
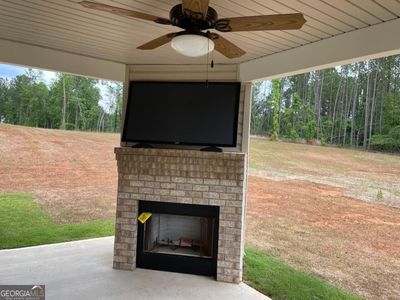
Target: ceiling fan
x: 196, y: 18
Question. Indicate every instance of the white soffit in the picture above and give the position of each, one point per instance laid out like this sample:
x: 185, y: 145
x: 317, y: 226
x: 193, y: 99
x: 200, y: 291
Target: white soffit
x: 66, y: 26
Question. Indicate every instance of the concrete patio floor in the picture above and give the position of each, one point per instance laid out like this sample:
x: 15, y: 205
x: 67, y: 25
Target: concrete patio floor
x: 83, y: 270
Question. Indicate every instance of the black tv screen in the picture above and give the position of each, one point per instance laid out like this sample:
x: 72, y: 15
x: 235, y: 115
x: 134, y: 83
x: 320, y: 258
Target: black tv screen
x: 187, y: 113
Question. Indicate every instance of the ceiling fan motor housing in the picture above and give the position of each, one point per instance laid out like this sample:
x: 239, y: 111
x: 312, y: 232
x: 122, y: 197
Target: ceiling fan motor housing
x: 192, y: 21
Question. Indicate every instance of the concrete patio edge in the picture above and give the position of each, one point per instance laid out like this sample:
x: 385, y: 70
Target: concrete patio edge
x: 83, y: 270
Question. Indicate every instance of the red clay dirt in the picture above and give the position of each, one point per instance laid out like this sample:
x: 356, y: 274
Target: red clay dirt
x: 314, y: 227
x: 73, y: 175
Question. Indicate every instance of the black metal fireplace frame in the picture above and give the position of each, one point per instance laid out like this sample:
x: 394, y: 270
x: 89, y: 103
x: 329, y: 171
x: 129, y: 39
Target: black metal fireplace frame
x: 178, y: 263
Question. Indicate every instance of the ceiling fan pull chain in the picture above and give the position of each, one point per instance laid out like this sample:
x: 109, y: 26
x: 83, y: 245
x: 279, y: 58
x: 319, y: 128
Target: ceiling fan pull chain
x: 212, y: 59
x: 208, y: 46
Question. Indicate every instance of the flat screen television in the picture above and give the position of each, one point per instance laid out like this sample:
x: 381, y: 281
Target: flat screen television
x: 182, y: 113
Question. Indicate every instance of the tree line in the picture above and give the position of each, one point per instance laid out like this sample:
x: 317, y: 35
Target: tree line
x: 356, y: 105
x: 68, y: 102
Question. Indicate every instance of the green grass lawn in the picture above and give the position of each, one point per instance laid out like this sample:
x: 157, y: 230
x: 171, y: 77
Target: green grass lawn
x: 23, y: 223
x: 279, y: 281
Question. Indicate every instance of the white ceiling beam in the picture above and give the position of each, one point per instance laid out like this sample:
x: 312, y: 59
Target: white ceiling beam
x: 367, y: 43
x: 59, y: 61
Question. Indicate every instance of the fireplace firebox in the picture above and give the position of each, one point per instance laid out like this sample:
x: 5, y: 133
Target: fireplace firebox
x: 178, y: 237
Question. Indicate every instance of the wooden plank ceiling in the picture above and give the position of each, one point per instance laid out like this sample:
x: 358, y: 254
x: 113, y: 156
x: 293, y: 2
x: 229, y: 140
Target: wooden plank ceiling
x: 67, y: 26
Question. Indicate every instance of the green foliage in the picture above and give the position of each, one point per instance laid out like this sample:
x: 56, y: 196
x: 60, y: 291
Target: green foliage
x: 394, y: 133
x: 379, y: 196
x: 310, y: 130
x: 276, y: 87
x: 385, y: 143
x: 290, y: 119
x: 23, y: 223
x: 26, y: 100
x: 322, y: 140
x: 292, y: 134
x: 280, y: 282
x: 391, y: 112
x: 389, y: 142
x: 336, y: 110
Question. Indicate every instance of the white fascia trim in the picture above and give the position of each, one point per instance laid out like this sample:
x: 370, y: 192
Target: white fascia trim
x: 55, y: 60
x: 367, y: 43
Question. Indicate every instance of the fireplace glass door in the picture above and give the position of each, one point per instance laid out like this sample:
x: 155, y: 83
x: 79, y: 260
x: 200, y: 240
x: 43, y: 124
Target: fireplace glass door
x: 179, y: 235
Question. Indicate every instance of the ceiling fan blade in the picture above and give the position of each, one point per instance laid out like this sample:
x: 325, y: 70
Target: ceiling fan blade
x: 226, y: 47
x: 162, y: 40
x: 124, y: 12
x: 195, y: 8
x: 267, y: 22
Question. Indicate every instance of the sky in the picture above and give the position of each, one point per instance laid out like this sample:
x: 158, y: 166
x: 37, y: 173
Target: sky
x: 11, y: 71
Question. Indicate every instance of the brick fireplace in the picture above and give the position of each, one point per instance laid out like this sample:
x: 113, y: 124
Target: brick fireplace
x: 184, y: 177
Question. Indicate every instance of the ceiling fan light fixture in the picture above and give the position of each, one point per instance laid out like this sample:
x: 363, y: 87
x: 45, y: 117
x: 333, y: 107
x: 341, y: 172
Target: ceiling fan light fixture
x: 192, y: 45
